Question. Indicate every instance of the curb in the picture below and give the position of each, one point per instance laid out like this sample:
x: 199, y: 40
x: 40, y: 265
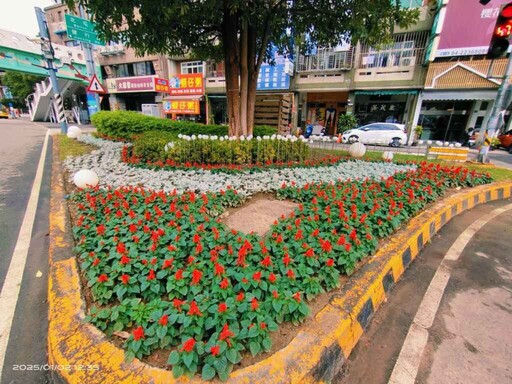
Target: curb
x: 84, y: 355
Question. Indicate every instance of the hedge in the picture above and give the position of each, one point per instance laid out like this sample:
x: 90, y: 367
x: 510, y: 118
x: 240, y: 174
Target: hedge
x: 150, y: 147
x: 126, y: 124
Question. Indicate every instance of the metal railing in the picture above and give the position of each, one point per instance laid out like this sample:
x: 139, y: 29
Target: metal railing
x: 327, y: 60
x: 391, y: 58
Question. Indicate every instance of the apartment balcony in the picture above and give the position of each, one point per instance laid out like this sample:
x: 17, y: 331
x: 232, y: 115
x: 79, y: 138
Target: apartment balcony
x: 112, y: 50
x: 59, y: 28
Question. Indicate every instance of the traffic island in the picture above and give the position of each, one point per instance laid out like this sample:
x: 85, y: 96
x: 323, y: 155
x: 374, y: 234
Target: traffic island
x: 316, y: 354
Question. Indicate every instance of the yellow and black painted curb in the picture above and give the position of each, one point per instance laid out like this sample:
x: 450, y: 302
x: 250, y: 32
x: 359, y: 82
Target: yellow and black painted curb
x: 315, y: 355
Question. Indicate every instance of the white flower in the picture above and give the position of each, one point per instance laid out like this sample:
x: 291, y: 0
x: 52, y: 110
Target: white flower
x: 242, y: 138
x: 221, y: 138
x: 273, y: 137
x: 180, y: 136
x: 258, y: 138
x: 266, y: 137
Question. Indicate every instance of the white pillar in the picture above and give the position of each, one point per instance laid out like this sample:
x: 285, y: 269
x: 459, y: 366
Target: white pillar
x: 415, y: 117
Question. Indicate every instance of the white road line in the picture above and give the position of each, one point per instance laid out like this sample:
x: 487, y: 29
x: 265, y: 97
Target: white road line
x: 408, y: 362
x: 12, y: 283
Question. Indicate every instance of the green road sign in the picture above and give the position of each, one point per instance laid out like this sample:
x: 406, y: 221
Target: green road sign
x: 81, y: 30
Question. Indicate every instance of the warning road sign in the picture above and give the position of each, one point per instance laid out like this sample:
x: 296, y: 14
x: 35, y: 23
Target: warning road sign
x: 95, y: 86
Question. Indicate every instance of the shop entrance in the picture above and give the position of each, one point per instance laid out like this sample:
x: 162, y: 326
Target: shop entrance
x: 444, y: 120
x: 324, y: 108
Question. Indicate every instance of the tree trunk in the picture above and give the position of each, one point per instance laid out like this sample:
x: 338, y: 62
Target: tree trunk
x: 232, y: 70
x: 244, y: 78
x: 252, y: 79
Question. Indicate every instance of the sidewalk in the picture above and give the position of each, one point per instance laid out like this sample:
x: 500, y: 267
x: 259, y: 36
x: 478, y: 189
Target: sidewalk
x: 470, y: 339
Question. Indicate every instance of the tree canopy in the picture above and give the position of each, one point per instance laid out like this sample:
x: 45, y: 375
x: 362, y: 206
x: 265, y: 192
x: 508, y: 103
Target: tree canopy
x: 20, y: 84
x: 243, y: 33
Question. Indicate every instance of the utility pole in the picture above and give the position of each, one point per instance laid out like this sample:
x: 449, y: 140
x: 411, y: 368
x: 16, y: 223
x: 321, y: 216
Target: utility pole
x: 91, y: 69
x: 49, y: 56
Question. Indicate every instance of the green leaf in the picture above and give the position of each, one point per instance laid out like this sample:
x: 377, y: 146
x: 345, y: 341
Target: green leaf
x: 174, y: 357
x: 232, y: 355
x: 188, y: 358
x: 129, y: 356
x: 267, y: 344
x: 208, y: 372
x: 254, y: 347
x: 177, y: 371
x: 118, y: 326
x: 221, y: 365
x: 277, y: 306
x: 161, y: 332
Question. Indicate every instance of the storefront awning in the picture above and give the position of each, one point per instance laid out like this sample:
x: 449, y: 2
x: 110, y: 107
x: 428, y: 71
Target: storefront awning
x: 382, y: 92
x: 459, y: 95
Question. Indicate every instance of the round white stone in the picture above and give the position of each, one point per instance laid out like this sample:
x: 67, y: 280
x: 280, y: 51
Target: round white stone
x: 85, y: 178
x: 357, y: 150
x: 387, y: 156
x: 74, y: 132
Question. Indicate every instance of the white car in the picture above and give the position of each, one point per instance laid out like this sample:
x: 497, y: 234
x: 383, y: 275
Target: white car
x: 390, y: 134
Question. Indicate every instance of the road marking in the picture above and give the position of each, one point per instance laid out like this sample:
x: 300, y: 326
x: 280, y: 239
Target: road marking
x: 12, y: 284
x: 408, y: 362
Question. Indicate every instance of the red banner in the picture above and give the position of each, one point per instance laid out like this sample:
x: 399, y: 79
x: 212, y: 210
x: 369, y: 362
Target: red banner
x: 182, y: 107
x: 190, y: 84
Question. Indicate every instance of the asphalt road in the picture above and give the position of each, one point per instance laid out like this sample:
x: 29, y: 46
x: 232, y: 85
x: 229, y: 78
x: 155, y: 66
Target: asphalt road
x: 20, y: 149
x: 470, y: 340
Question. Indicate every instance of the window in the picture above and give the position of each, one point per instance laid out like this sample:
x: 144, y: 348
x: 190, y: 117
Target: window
x: 144, y: 68
x: 60, y: 15
x: 192, y: 67
x: 484, y: 105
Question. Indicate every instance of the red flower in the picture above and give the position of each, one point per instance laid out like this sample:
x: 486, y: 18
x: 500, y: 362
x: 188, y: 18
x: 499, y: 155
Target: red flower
x: 219, y: 269
x: 347, y: 247
x: 96, y: 262
x: 267, y: 261
x: 286, y: 259
x: 194, y: 310
x: 224, y: 283
x: 154, y: 260
x: 263, y: 325
x: 188, y: 346
x: 330, y: 262
x: 151, y: 275
x: 341, y: 240
x: 163, y: 320
x: 196, y: 276
x: 225, y: 334
x: 310, y: 252
x: 256, y: 276
x: 222, y: 308
x: 103, y: 278
x: 124, y: 260
x: 133, y: 228
x: 100, y: 230
x: 353, y: 234
x: 275, y: 294
x: 138, y: 333
x: 327, y: 246
x: 272, y: 278
x: 290, y: 274
x: 125, y: 278
x: 299, y: 235
x: 315, y: 232
x: 279, y: 239
x: 178, y: 303
x: 168, y: 263
x: 121, y: 248
x: 297, y: 297
x: 215, y: 350
x: 179, y: 274
x: 240, y: 296
x: 254, y: 304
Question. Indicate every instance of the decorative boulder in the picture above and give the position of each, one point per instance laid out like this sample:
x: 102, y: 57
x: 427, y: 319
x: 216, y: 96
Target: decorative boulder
x: 74, y: 132
x: 85, y: 178
x: 387, y: 156
x: 357, y: 150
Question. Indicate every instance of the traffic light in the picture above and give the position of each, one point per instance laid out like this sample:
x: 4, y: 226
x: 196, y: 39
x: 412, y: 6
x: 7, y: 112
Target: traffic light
x: 501, y: 33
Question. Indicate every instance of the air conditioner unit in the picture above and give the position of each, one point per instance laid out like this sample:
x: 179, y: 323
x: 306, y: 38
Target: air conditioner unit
x: 108, y: 70
x: 408, y: 61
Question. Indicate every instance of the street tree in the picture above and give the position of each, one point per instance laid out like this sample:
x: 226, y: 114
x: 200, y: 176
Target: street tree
x: 243, y: 33
x: 20, y: 84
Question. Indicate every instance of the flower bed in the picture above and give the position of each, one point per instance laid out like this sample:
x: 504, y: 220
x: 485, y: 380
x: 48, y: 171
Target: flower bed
x: 112, y: 171
x: 162, y: 267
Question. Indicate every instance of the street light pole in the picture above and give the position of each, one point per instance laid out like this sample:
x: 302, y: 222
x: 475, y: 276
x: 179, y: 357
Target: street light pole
x: 48, y: 53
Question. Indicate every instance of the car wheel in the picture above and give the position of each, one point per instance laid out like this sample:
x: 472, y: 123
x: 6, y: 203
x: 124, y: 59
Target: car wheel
x: 395, y: 142
x: 353, y: 139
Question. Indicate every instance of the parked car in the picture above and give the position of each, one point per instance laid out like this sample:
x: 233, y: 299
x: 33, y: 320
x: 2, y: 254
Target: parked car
x: 4, y: 114
x: 506, y: 140
x: 391, y: 134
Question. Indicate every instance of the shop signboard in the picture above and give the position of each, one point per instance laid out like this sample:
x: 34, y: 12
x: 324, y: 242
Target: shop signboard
x: 181, y: 107
x: 162, y: 85
x: 273, y: 77
x: 462, y: 19
x: 82, y: 30
x: 187, y: 84
x: 131, y: 84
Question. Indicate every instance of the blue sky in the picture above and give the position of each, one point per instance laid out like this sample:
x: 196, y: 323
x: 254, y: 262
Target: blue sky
x: 19, y: 16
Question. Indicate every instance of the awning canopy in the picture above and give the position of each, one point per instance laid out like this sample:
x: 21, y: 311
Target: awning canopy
x: 459, y: 95
x: 382, y: 92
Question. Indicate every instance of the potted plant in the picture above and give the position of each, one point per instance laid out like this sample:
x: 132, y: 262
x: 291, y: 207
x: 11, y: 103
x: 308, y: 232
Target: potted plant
x: 345, y: 122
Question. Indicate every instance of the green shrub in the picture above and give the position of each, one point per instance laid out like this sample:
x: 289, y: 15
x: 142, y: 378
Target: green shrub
x: 126, y: 124
x: 150, y: 146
